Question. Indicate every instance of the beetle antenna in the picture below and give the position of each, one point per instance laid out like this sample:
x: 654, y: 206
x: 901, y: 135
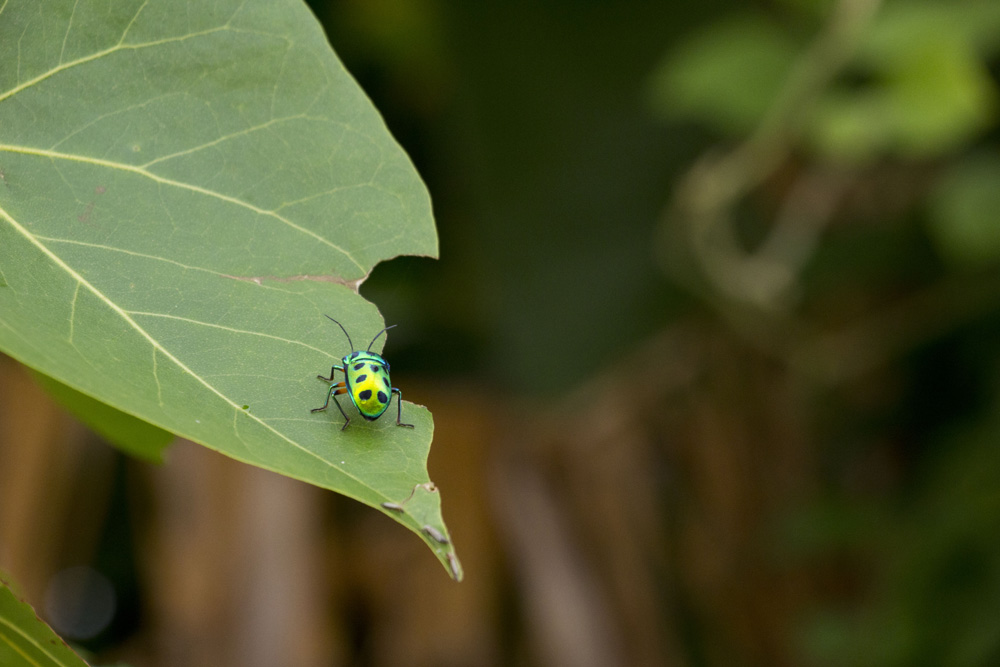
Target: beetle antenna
x: 342, y: 329
x: 379, y: 334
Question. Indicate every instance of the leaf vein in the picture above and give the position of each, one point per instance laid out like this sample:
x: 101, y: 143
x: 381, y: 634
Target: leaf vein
x: 55, y: 155
x: 130, y: 23
x: 28, y: 639
x: 110, y: 114
x: 101, y: 246
x: 61, y: 67
x: 16, y: 648
x: 227, y: 137
x: 69, y: 28
x: 72, y: 313
x: 259, y: 282
x: 212, y: 325
x: 156, y: 378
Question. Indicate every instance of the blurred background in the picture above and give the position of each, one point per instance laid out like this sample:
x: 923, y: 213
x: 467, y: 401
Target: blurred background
x: 712, y: 351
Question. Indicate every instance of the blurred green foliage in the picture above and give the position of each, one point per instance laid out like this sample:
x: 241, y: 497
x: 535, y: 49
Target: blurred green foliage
x: 728, y: 75
x: 918, y: 85
x: 962, y: 212
x: 920, y: 93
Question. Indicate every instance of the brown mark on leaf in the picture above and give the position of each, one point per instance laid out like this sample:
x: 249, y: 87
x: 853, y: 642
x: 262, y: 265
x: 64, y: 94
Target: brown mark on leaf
x: 85, y: 216
x: 259, y: 280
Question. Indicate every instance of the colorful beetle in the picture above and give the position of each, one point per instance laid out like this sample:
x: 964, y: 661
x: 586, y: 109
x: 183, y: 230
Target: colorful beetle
x: 366, y: 382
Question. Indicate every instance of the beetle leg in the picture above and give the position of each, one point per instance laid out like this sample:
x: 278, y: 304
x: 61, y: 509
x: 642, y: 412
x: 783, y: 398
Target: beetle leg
x: 347, y: 420
x: 330, y: 379
x: 399, y: 408
x: 338, y: 388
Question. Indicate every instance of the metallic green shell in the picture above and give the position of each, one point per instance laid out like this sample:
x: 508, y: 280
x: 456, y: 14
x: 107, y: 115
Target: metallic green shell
x: 368, y: 383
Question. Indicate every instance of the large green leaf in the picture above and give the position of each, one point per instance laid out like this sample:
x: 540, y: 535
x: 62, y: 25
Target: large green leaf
x: 26, y: 640
x: 185, y: 190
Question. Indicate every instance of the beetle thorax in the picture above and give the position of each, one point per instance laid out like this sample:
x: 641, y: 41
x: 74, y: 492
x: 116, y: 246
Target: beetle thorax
x: 362, y: 356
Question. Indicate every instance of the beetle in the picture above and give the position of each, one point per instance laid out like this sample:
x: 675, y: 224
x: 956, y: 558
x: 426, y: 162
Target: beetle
x: 366, y: 381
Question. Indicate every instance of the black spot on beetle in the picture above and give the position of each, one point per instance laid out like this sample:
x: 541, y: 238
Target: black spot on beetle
x: 382, y: 398
x: 385, y: 381
x: 360, y: 378
x: 375, y: 368
x: 366, y: 394
x: 354, y: 355
x: 358, y: 367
